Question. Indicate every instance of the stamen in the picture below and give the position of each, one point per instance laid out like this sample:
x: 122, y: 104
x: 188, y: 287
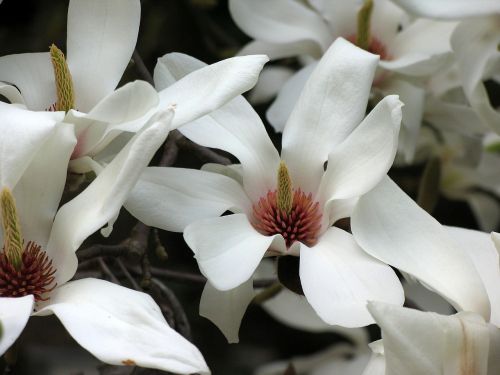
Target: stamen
x: 13, y: 239
x: 34, y: 276
x: 363, y: 37
x: 64, y: 82
x: 302, y: 223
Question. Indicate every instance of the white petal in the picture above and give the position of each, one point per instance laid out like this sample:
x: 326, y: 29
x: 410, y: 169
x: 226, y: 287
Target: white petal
x: 121, y: 326
x: 279, y: 111
x: 413, y: 98
x: 228, y: 249
x: 226, y: 308
x: 276, y: 51
x: 14, y: 314
x: 450, y: 9
x: 359, y: 163
x: 475, y: 44
x: 418, y: 342
x: 425, y: 299
x: 235, y: 127
x: 269, y: 20
x: 126, y: 109
x: 485, y: 209
x: 331, y: 105
x: 271, y: 79
x: 391, y: 227
x: 24, y: 133
x: 11, y: 93
x: 294, y: 310
x: 33, y: 75
x: 386, y: 21
x: 103, y: 198
x: 38, y: 193
x: 338, y: 279
x: 480, y: 248
x: 101, y: 38
x: 421, y: 49
x: 172, y: 198
x: 209, y: 87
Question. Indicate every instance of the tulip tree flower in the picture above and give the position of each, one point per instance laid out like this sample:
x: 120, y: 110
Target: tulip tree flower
x: 475, y: 42
x: 286, y: 205
x: 407, y: 50
x: 415, y: 342
x: 117, y: 325
x: 101, y: 37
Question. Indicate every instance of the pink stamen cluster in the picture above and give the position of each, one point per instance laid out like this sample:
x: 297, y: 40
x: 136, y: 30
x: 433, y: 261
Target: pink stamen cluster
x: 34, y: 276
x: 302, y: 223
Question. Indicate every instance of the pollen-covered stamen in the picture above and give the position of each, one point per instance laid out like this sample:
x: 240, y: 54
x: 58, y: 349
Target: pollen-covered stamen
x: 34, y: 276
x: 64, y: 81
x: 302, y: 223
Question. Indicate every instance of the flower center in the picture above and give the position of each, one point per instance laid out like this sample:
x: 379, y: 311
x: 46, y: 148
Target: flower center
x: 302, y: 223
x: 33, y: 275
x: 375, y: 46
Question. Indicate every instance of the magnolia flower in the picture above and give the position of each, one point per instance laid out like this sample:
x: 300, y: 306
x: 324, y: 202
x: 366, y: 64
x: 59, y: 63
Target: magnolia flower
x: 388, y: 225
x: 286, y: 205
x: 475, y: 44
x: 117, y: 325
x: 415, y: 342
x: 100, y: 40
x: 406, y: 49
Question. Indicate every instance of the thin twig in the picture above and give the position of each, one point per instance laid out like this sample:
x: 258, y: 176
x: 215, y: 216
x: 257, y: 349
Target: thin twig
x: 141, y: 67
x: 108, y: 272
x: 95, y: 251
x: 127, y: 274
x: 181, y: 321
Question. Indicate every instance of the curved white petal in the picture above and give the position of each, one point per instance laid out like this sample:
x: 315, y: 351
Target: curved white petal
x: 121, y: 326
x: 271, y: 79
x: 362, y: 160
x: 417, y: 342
x: 481, y: 249
x: 294, y: 310
x: 228, y: 249
x: 331, y: 105
x: 172, y: 198
x: 38, y: 192
x: 11, y: 93
x: 126, y: 109
x: 485, y: 209
x: 102, y: 199
x: 276, y: 51
x: 338, y: 279
x: 208, y: 88
x: 14, y: 314
x: 421, y: 49
x: 33, y: 75
x: 390, y: 226
x: 387, y: 20
x: 24, y: 133
x: 226, y: 308
x: 413, y: 98
x: 450, y: 9
x: 279, y: 111
x: 271, y: 21
x: 475, y: 43
x: 101, y: 38
x: 234, y: 127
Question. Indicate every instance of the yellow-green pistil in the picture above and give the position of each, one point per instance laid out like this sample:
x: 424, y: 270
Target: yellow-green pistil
x: 284, y: 196
x: 64, y: 82
x: 12, y: 237
x: 363, y: 36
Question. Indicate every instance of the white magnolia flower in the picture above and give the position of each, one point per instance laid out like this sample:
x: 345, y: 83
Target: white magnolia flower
x: 327, y: 125
x: 415, y: 342
x: 101, y: 37
x: 408, y: 51
x: 117, y: 325
x: 475, y: 44
x: 392, y: 228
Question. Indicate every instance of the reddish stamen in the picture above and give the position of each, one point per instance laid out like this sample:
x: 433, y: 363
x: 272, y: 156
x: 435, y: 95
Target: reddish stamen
x: 34, y: 276
x: 302, y: 223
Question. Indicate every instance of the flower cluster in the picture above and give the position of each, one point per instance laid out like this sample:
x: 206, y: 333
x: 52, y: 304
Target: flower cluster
x: 356, y: 90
